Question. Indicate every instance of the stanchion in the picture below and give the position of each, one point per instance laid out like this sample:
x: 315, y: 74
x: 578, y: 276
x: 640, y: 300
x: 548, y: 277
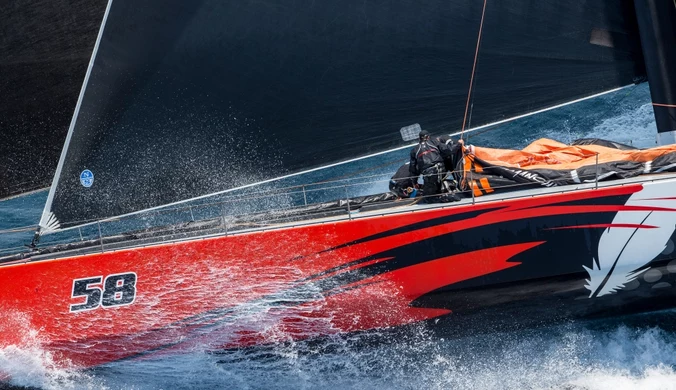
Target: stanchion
x: 225, y: 223
x: 347, y: 199
x: 596, y: 185
x: 471, y: 184
x: 100, y: 235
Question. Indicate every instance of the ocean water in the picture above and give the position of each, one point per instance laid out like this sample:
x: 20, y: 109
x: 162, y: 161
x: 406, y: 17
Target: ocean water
x: 624, y: 353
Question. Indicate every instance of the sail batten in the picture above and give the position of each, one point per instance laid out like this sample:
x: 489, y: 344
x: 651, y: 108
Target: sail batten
x: 191, y: 99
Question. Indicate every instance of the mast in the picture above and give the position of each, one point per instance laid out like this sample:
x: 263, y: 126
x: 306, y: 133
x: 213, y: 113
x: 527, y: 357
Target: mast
x: 657, y: 27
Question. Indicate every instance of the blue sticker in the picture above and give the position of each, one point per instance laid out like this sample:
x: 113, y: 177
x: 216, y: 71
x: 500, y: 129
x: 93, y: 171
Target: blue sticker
x: 87, y: 178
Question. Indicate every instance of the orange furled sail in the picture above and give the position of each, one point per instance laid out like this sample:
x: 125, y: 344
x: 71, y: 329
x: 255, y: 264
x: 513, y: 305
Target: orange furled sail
x: 549, y: 163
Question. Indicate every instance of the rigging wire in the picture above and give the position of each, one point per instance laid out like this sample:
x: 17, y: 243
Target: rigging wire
x: 19, y: 229
x: 29, y: 192
x: 471, y: 80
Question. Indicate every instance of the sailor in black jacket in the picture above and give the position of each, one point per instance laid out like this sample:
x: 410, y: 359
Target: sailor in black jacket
x: 427, y: 158
x: 453, y: 155
x: 403, y: 184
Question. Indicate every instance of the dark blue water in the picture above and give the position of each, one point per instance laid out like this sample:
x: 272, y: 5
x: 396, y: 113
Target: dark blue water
x: 633, y: 352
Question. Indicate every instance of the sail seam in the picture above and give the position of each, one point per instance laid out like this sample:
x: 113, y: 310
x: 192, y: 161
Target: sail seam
x: 48, y: 217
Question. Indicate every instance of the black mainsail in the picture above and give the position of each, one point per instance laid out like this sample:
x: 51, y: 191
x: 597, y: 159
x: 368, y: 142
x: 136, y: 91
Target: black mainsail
x: 657, y: 25
x: 44, y: 50
x: 192, y: 98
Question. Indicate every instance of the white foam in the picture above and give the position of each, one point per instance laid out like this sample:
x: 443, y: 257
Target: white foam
x: 28, y: 364
x: 576, y: 359
x: 660, y: 377
x: 635, y: 127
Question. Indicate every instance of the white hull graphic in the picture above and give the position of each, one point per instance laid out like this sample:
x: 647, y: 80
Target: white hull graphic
x: 638, y: 235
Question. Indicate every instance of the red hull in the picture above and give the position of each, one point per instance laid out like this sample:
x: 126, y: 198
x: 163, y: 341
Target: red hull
x: 274, y: 285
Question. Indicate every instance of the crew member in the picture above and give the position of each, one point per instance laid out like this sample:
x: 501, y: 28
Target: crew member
x: 403, y: 184
x: 427, y: 159
x: 450, y: 152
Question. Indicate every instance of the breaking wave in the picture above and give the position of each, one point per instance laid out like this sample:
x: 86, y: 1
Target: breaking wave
x: 573, y: 356
x: 568, y: 357
x: 27, y: 365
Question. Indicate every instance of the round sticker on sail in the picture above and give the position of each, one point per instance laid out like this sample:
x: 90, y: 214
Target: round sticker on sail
x: 87, y: 178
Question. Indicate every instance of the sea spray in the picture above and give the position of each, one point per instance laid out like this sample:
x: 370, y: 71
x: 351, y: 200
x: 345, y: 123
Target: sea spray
x: 27, y: 363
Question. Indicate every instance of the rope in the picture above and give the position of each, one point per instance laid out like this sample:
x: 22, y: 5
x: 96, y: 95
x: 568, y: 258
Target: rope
x: 471, y: 80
